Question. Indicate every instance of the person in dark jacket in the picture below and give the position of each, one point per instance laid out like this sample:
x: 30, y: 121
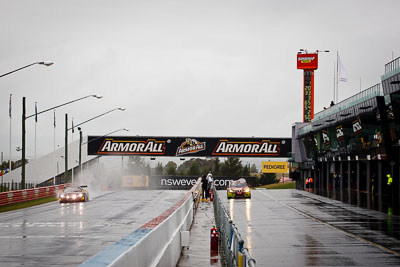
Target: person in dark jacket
x: 204, y: 184
x: 210, y: 180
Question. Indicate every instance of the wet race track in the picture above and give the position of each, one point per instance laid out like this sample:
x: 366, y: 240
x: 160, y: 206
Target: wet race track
x: 297, y: 228
x: 56, y: 234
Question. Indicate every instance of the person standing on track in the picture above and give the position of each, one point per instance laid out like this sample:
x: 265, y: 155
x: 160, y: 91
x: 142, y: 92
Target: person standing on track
x: 204, y: 185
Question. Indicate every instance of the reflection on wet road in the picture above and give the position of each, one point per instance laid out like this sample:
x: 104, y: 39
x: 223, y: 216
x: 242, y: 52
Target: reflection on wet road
x: 68, y: 234
x: 297, y: 228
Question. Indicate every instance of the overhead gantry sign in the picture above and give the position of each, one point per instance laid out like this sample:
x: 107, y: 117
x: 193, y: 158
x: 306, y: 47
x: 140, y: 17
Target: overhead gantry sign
x: 189, y: 146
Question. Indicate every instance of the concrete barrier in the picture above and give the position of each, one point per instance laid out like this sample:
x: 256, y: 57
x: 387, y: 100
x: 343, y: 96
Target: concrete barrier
x: 156, y: 243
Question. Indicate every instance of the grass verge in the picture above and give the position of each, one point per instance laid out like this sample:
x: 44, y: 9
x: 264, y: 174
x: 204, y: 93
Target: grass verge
x: 26, y: 204
x: 288, y: 185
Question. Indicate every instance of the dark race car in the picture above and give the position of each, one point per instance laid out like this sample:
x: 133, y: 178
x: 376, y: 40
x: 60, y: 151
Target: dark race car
x: 74, y: 194
x: 238, y: 188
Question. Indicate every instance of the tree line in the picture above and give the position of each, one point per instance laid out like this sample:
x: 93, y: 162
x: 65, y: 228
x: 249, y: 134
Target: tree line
x: 195, y: 166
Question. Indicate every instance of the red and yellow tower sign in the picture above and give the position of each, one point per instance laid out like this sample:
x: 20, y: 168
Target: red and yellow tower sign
x: 308, y: 63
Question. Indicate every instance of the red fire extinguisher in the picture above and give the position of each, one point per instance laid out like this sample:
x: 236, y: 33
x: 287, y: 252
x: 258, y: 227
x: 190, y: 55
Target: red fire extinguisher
x: 211, y: 195
x: 214, y: 239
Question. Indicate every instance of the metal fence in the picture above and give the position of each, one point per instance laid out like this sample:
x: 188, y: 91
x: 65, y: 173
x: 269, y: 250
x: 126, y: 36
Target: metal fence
x: 351, y: 101
x: 392, y: 66
x: 232, y: 243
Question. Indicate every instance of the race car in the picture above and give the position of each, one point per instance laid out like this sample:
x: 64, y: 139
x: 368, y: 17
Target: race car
x: 74, y: 194
x: 238, y: 188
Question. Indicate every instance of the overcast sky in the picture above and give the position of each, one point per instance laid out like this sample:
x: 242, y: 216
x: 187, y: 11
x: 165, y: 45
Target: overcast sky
x: 183, y: 68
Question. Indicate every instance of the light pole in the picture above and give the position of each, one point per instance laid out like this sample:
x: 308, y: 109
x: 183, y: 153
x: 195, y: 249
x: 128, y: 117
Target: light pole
x: 24, y: 132
x: 66, y: 135
x: 45, y: 63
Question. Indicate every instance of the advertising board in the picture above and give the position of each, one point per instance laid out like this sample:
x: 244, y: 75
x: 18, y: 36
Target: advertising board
x: 176, y: 182
x: 307, y: 61
x: 274, y: 167
x: 189, y: 146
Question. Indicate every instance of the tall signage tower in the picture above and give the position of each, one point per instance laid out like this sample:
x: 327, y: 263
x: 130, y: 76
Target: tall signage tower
x: 308, y: 63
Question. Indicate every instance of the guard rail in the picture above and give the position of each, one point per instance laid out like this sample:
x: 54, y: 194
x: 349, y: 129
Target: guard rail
x: 16, y: 196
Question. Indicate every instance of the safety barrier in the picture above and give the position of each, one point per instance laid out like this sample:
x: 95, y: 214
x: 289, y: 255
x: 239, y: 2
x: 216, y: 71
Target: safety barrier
x: 232, y: 243
x: 156, y: 243
x: 16, y: 196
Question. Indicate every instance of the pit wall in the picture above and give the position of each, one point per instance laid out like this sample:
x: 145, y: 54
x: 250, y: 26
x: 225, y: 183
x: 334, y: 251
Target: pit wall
x: 12, y: 197
x: 156, y: 243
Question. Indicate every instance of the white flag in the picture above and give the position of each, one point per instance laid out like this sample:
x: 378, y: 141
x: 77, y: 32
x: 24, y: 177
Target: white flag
x: 342, y: 72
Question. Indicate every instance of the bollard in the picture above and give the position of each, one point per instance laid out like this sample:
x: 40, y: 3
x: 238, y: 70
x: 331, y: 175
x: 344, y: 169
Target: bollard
x: 214, y: 239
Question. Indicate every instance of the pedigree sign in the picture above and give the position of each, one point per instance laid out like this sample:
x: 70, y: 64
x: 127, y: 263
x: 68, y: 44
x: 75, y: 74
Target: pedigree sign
x: 274, y: 167
x: 307, y: 61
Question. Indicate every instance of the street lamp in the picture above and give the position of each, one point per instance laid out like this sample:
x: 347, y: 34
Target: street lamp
x: 67, y: 129
x: 23, y: 126
x: 45, y: 63
x: 122, y: 129
x: 122, y: 109
x: 305, y: 51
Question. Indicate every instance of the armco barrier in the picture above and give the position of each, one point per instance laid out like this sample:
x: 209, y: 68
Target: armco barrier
x: 232, y: 243
x: 12, y: 197
x: 156, y: 243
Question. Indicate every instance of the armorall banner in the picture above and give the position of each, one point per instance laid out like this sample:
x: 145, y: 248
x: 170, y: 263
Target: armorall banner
x: 189, y: 146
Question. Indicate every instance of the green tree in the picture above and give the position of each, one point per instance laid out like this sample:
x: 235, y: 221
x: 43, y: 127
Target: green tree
x: 232, y: 167
x: 216, y: 166
x: 268, y: 178
x: 170, y: 168
x: 206, y: 169
x: 246, y: 170
x: 147, y: 169
x: 204, y: 165
x: 253, y: 168
x: 159, y: 169
x: 194, y: 169
x: 137, y: 166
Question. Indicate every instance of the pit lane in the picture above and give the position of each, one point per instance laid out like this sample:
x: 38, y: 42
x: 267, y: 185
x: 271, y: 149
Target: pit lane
x: 297, y: 228
x: 67, y: 234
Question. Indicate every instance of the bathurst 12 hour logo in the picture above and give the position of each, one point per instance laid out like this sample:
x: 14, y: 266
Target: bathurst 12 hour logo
x: 142, y: 147
x: 237, y: 148
x: 190, y: 146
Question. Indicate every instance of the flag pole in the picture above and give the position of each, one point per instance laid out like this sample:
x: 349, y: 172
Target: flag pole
x: 337, y: 78
x: 54, y: 148
x: 10, y: 132
x: 334, y: 82
x: 35, y: 126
